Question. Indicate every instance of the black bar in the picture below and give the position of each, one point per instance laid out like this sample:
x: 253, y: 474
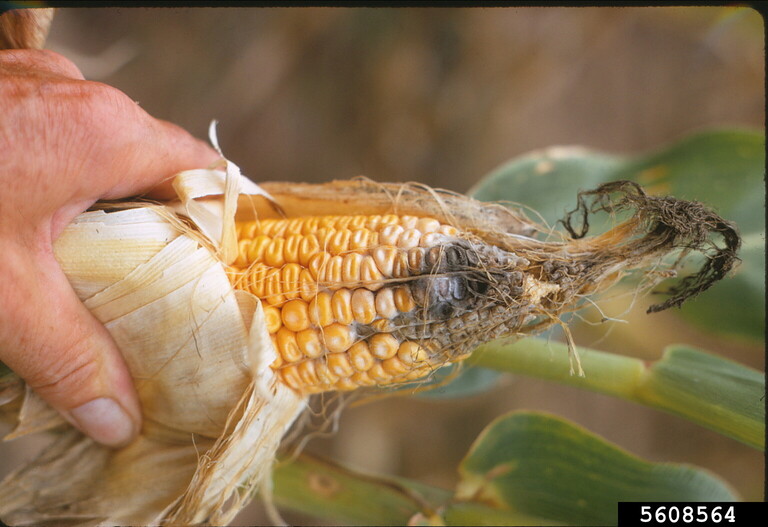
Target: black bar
x: 691, y: 513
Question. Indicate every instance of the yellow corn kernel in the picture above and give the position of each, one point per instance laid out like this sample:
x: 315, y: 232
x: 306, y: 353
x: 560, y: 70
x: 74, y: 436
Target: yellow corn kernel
x: 427, y: 225
x: 287, y: 345
x: 362, y: 238
x: 330, y: 275
x: 290, y: 274
x: 350, y: 268
x: 292, y: 247
x: 377, y: 373
x: 370, y: 275
x: 344, y: 384
x: 308, y: 247
x: 409, y: 239
x: 317, y: 264
x: 363, y: 306
x: 338, y: 243
x: 394, y: 366
x: 307, y: 373
x: 411, y: 353
x: 385, y: 303
x: 339, y: 364
x: 309, y: 343
x: 290, y: 376
x: 320, y: 310
x: 295, y: 315
x: 360, y: 356
x: 403, y: 299
x: 307, y: 286
x: 337, y: 338
x: 324, y: 373
x: 341, y: 306
x: 383, y: 346
x: 273, y: 254
x: 273, y: 287
x: 384, y: 257
x: 390, y: 234
x: 362, y: 378
x: 273, y: 319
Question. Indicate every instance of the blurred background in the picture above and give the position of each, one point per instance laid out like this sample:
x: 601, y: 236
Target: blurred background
x: 443, y: 96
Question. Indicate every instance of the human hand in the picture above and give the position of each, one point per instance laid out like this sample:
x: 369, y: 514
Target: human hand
x: 64, y: 143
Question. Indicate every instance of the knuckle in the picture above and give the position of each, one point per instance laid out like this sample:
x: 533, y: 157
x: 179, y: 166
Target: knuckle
x: 69, y: 378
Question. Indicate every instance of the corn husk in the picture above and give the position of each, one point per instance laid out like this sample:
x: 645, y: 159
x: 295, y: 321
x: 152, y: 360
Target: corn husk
x: 199, y: 352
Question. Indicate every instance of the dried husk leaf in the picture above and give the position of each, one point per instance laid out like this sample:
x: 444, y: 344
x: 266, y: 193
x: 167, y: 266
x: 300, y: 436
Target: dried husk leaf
x: 199, y: 353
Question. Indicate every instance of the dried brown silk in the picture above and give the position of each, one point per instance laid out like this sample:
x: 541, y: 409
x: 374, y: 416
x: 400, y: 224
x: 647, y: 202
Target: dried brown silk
x: 214, y: 439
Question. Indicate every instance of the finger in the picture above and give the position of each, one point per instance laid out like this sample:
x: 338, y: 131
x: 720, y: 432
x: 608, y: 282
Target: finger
x: 171, y: 151
x: 52, y: 341
x: 37, y: 61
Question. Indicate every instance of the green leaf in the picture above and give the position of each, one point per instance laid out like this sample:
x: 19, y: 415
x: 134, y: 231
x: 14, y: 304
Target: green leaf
x: 712, y: 391
x: 547, y: 467
x: 722, y: 168
x: 320, y: 488
x: 706, y: 389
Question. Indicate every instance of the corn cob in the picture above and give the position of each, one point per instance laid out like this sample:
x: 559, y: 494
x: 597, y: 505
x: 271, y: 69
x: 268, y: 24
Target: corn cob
x: 373, y: 300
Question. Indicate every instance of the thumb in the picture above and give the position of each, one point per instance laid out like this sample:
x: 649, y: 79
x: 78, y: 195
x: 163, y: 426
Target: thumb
x: 51, y: 340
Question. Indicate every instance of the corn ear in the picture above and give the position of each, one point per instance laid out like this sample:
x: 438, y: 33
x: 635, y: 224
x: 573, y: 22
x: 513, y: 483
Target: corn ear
x: 202, y: 293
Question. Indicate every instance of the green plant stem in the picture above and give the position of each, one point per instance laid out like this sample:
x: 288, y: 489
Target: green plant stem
x: 708, y: 390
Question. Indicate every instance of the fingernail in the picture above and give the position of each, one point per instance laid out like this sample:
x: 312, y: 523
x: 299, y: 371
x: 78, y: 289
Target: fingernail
x: 104, y: 421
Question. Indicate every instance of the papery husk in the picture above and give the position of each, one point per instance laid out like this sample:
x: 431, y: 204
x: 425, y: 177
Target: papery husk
x: 199, y: 352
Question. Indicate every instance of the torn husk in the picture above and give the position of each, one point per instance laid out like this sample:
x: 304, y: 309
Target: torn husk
x: 216, y: 397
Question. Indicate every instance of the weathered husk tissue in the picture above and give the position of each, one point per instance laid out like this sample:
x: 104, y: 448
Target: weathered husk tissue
x: 200, y: 353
